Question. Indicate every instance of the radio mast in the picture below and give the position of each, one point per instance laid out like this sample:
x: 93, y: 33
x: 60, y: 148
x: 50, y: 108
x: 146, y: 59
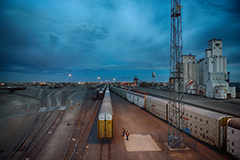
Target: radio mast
x: 176, y: 107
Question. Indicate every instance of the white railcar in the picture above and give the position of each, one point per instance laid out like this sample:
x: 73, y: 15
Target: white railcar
x: 130, y: 96
x: 205, y: 125
x: 233, y: 137
x: 139, y: 99
x: 157, y: 107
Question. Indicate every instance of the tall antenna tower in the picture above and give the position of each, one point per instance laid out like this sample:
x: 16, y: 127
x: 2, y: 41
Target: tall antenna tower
x: 176, y: 107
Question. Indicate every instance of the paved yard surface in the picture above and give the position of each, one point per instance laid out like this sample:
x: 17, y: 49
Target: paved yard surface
x: 143, y: 128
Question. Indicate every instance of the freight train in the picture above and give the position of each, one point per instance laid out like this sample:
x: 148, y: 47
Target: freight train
x: 105, y: 118
x: 207, y: 126
x: 99, y: 92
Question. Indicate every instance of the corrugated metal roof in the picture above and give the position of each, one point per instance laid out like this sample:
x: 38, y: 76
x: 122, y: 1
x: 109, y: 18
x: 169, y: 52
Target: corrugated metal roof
x: 205, y: 112
x: 157, y: 99
x: 106, y: 107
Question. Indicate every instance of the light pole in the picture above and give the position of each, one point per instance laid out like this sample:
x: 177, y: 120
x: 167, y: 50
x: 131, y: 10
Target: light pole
x: 113, y: 80
x: 69, y: 78
x: 98, y: 79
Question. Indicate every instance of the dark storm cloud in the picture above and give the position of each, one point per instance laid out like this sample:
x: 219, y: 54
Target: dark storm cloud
x: 93, y: 38
x: 54, y: 38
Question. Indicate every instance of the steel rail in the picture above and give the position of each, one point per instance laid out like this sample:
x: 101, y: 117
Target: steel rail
x: 39, y: 127
x: 98, y: 104
x: 28, y: 133
x: 78, y: 136
x: 108, y: 151
x: 81, y: 113
x: 34, y: 146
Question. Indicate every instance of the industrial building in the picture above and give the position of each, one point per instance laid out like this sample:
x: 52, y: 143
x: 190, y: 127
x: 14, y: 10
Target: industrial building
x: 209, y: 75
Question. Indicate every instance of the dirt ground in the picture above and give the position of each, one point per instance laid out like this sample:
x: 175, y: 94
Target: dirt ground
x: 15, y: 120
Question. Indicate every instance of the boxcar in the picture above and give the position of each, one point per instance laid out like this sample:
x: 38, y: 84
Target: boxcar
x: 207, y: 126
x: 102, y: 92
x: 233, y: 137
x: 129, y: 96
x: 139, y: 99
x: 94, y: 94
x: 157, y: 107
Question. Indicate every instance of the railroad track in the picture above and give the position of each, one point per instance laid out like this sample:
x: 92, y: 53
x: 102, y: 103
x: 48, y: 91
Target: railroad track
x: 36, y: 148
x: 53, y: 100
x: 36, y: 137
x: 105, y: 149
x: 82, y: 129
x: 30, y: 136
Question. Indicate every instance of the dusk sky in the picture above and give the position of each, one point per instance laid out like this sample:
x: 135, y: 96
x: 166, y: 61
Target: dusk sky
x: 46, y: 40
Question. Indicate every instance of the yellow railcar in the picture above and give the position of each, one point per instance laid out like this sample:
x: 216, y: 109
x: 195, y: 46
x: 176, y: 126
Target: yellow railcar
x: 101, y: 127
x: 105, y: 118
x: 109, y: 126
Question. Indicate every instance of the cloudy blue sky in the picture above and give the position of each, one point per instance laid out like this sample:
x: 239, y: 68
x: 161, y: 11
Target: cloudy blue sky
x: 45, y: 40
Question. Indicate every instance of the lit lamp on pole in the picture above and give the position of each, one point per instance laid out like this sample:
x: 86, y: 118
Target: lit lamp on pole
x: 113, y: 80
x: 70, y: 78
x: 98, y: 79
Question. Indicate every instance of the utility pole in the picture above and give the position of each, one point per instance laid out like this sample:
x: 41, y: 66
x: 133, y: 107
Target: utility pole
x: 176, y: 136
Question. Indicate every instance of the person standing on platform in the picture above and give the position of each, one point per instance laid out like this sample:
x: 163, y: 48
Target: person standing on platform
x: 123, y: 130
x: 127, y: 134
